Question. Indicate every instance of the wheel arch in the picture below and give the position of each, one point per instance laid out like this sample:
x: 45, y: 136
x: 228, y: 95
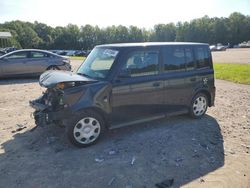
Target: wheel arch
x: 49, y: 67
x: 100, y: 112
x: 205, y: 92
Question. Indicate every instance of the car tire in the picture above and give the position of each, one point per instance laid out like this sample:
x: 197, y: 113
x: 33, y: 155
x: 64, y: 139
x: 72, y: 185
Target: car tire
x: 53, y: 68
x: 85, y: 128
x: 198, y: 105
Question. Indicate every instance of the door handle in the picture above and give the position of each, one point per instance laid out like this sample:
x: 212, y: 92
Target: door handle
x: 156, y: 84
x: 192, y: 79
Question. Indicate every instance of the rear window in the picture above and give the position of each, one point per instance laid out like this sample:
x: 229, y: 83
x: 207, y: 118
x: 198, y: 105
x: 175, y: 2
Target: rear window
x: 39, y: 55
x: 202, y: 57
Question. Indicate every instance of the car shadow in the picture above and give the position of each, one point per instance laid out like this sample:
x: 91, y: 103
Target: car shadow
x: 8, y: 81
x: 176, y: 150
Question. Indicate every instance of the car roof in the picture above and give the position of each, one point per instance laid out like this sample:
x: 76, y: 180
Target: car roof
x: 145, y: 44
x: 31, y: 50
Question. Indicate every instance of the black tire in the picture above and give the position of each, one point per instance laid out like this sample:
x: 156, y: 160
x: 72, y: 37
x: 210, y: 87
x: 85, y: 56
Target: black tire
x: 85, y: 128
x: 198, y: 105
x: 53, y: 68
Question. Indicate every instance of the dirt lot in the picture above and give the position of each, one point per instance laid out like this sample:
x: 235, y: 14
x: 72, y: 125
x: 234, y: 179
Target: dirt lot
x: 237, y: 55
x: 209, y: 152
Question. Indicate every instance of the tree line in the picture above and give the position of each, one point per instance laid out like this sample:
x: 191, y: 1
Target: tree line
x: 232, y: 30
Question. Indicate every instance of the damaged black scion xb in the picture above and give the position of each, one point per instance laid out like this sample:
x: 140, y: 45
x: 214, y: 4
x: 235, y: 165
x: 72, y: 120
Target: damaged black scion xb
x: 124, y: 84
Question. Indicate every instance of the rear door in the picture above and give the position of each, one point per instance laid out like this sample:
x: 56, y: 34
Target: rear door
x: 178, y: 61
x: 37, y: 62
x: 138, y: 90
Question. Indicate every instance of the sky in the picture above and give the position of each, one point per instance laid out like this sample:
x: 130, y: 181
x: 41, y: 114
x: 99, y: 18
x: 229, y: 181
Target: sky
x: 141, y: 13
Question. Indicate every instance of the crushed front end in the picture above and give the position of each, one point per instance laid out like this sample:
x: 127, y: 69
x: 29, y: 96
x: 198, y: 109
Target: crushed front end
x: 50, y: 108
x: 64, y: 89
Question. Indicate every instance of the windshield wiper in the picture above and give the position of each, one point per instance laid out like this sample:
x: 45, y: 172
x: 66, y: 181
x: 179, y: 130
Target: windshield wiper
x: 82, y: 74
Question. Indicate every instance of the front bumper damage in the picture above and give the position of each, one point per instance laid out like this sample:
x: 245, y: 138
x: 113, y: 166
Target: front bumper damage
x: 44, y: 115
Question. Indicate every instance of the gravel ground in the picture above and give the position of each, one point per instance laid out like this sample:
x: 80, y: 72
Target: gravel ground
x: 209, y: 152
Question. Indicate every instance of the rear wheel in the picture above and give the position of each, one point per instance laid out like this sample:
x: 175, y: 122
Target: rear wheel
x: 199, y: 105
x: 85, y: 129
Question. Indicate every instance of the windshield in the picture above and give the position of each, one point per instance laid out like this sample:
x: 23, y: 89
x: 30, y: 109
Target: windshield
x: 98, y: 63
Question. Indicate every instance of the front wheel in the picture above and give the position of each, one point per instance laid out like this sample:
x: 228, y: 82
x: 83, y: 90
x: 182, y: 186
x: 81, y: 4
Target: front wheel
x: 85, y: 129
x: 199, y: 105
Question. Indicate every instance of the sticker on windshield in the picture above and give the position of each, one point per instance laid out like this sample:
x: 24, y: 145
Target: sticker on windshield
x: 110, y: 52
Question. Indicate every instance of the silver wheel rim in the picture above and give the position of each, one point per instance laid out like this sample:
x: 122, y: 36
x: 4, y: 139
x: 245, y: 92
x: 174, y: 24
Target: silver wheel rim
x: 87, y: 130
x: 199, y: 106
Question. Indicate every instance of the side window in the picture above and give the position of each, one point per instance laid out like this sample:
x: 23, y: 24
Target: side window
x: 174, y: 59
x: 18, y: 55
x: 39, y: 55
x: 190, y: 62
x: 202, y: 57
x: 142, y: 63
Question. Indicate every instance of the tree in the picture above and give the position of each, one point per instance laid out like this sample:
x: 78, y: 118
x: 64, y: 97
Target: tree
x: 233, y: 30
x: 164, y: 32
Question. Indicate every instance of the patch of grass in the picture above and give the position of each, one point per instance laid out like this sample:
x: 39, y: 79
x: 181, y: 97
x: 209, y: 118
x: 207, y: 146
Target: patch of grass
x: 238, y: 73
x: 77, y: 58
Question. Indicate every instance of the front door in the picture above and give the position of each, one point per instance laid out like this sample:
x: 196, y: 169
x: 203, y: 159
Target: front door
x: 15, y: 63
x: 138, y: 89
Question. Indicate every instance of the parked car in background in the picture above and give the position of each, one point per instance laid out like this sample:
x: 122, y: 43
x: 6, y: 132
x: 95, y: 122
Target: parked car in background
x: 31, y: 62
x: 245, y: 44
x: 8, y: 49
x: 124, y: 84
x: 2, y: 53
x: 218, y: 47
x: 83, y: 53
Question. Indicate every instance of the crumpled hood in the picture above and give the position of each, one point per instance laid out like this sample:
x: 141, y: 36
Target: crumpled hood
x: 50, y: 78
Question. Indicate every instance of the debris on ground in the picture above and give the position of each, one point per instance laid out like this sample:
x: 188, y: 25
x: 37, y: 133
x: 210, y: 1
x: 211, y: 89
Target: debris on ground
x: 112, y: 152
x: 245, y: 146
x: 201, y: 180
x: 133, y: 160
x: 20, y: 127
x: 165, y: 183
x: 179, y: 159
x: 99, y: 160
x: 111, y: 181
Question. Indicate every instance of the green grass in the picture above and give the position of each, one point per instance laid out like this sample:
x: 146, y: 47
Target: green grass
x: 238, y: 73
x: 77, y: 58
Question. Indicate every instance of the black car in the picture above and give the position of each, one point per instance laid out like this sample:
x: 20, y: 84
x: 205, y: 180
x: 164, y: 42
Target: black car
x: 125, y: 84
